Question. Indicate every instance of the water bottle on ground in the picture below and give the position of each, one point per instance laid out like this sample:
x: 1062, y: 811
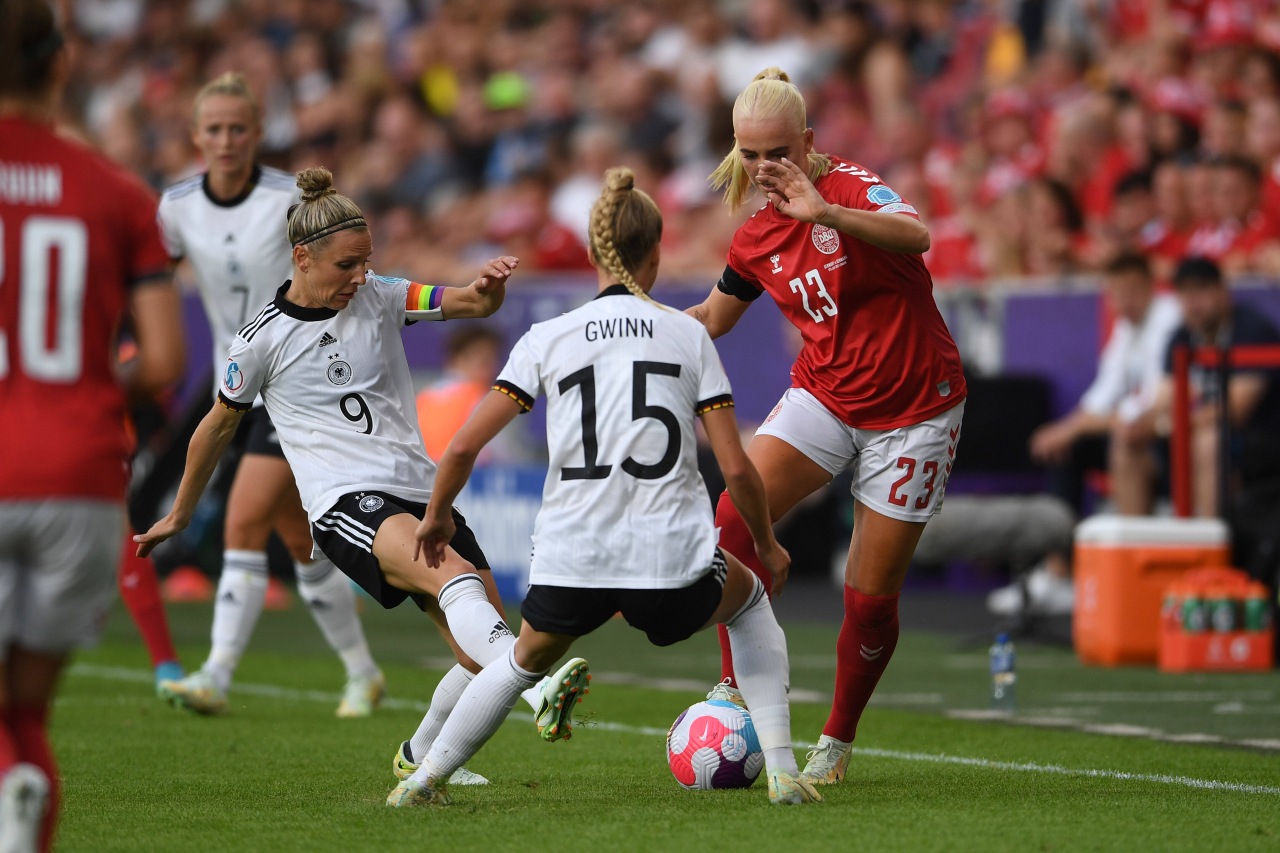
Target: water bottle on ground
x: 1004, y: 679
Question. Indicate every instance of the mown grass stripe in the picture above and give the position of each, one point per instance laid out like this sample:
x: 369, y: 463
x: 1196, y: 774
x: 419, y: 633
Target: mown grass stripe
x: 115, y: 673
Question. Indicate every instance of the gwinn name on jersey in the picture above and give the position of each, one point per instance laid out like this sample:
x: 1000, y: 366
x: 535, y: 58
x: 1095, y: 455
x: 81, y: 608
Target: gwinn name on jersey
x: 337, y: 386
x: 624, y: 505
x: 237, y: 247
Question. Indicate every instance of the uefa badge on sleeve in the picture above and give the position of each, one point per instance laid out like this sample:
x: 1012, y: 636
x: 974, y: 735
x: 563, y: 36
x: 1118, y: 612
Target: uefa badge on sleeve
x: 233, y: 377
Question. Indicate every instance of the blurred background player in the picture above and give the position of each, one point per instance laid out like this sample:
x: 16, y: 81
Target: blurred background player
x: 229, y: 222
x: 139, y: 583
x: 877, y: 388
x: 629, y: 530
x: 79, y: 251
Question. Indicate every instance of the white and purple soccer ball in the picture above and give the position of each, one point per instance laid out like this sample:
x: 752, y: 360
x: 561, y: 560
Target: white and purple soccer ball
x: 713, y: 745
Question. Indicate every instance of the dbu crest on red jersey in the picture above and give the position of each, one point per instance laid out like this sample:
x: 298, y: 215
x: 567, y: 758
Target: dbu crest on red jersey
x: 825, y: 239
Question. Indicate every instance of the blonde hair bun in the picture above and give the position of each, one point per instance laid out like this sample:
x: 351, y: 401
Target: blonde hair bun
x: 315, y: 183
x: 773, y: 72
x: 619, y: 179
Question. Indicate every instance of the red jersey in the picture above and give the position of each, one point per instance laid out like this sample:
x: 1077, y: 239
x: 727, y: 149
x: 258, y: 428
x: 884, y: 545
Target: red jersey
x: 876, y: 351
x: 75, y: 233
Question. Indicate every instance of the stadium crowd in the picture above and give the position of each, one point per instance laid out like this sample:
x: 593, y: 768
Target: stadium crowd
x: 1039, y: 138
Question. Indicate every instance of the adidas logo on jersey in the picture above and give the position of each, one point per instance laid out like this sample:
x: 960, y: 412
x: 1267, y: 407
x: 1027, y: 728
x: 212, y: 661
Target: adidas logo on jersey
x: 499, y: 630
x: 327, y: 339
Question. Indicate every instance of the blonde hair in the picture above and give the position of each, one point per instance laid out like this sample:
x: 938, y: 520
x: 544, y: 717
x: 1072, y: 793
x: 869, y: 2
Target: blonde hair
x: 770, y: 93
x: 231, y: 83
x: 322, y: 212
x: 625, y: 227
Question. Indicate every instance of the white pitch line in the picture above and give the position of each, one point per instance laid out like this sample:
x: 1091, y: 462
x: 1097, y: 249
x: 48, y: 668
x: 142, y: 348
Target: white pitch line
x: 1166, y: 696
x: 116, y: 673
x: 1058, y: 770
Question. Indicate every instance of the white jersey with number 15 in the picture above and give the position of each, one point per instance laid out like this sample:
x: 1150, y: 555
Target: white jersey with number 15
x: 624, y: 505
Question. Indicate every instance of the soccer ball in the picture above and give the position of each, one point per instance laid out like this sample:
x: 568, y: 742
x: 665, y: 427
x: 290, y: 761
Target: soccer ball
x: 714, y: 745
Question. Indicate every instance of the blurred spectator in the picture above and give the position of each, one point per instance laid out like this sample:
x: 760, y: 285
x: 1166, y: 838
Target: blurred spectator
x: 521, y: 223
x: 1252, y: 397
x: 473, y: 356
x: 1093, y: 436
x: 440, y: 106
x: 1237, y: 227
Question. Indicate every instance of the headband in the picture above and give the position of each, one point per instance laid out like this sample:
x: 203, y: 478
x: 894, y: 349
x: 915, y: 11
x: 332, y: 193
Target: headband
x: 352, y: 222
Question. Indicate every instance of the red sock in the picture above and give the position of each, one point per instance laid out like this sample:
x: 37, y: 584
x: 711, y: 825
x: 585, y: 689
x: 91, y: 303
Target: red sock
x: 736, y: 539
x: 140, y: 590
x: 27, y: 723
x: 867, y: 639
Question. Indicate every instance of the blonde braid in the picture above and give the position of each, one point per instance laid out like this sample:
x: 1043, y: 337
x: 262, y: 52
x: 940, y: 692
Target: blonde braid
x: 625, y: 227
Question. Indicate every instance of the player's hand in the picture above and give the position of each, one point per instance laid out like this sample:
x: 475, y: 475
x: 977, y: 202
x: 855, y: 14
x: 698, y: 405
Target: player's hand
x: 789, y: 190
x: 431, y: 538
x: 777, y: 561
x: 160, y: 531
x: 495, y: 273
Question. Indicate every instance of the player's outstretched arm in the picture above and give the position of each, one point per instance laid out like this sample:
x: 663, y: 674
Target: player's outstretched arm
x: 207, y: 445
x: 747, y: 492
x: 719, y: 312
x: 436, y: 529
x: 484, y: 295
x: 789, y: 190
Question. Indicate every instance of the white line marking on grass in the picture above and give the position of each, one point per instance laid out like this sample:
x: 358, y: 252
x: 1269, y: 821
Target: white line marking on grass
x: 118, y: 673
x: 1167, y: 696
x: 1058, y: 770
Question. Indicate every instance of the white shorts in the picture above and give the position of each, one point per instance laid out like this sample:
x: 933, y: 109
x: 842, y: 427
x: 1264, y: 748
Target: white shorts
x: 901, y: 473
x: 58, y: 564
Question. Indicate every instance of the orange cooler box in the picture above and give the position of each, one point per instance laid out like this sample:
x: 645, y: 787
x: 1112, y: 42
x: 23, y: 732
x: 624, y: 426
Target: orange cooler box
x: 1122, y: 566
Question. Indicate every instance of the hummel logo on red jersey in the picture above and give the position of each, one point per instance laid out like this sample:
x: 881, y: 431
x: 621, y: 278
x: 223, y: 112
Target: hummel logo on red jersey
x: 776, y: 260
x: 327, y: 339
x: 870, y: 654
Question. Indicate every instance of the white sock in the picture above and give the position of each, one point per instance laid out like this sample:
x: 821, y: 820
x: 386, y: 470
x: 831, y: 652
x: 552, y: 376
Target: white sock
x: 761, y: 669
x: 533, y: 696
x: 332, y: 602
x: 480, y: 711
x: 442, y: 701
x: 473, y: 621
x: 242, y: 589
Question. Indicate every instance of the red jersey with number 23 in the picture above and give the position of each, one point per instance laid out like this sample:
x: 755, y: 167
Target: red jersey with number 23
x: 876, y: 351
x: 77, y: 232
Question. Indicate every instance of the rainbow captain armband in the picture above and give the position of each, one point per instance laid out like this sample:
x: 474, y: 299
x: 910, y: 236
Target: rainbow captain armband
x: 423, y: 302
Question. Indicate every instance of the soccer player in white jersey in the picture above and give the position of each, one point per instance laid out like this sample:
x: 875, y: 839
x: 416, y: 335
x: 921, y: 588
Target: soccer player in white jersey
x: 328, y: 361
x: 229, y: 224
x: 625, y: 523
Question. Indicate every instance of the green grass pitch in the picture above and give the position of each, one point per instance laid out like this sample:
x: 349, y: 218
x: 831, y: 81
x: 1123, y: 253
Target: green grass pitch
x: 1199, y: 769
